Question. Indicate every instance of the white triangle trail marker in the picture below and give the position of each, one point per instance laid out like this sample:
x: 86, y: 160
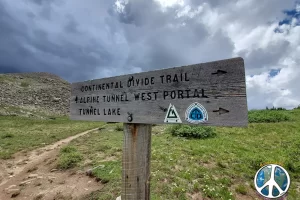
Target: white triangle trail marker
x: 172, y: 115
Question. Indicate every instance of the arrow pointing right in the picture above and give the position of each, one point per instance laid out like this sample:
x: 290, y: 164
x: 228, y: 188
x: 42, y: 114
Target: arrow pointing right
x: 221, y: 111
x: 219, y: 72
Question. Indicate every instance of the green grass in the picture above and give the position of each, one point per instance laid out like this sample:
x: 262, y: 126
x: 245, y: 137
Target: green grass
x: 20, y: 133
x: 200, y: 132
x: 6, y: 78
x: 222, y: 167
x: 6, y: 110
x: 268, y: 116
x: 103, y: 149
x: 69, y: 157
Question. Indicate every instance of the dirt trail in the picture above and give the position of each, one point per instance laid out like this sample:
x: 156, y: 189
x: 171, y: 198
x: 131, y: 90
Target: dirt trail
x: 32, y: 175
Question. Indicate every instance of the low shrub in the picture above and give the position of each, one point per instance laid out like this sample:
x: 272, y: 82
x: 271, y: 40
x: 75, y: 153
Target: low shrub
x: 242, y: 189
x: 267, y: 116
x: 24, y: 84
x: 7, y: 135
x: 200, y: 132
x: 68, y: 149
x: 274, y: 108
x: 119, y: 127
x: 69, y: 157
x: 5, y: 154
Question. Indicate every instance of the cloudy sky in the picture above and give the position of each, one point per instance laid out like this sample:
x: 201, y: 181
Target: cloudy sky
x: 81, y: 40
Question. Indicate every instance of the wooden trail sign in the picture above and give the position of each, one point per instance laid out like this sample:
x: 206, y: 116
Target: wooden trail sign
x: 212, y: 94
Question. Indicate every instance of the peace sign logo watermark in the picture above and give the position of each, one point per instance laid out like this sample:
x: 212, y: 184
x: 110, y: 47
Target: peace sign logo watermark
x: 272, y: 181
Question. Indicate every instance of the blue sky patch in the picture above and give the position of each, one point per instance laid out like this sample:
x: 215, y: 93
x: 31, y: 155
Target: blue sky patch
x: 290, y: 14
x: 274, y: 72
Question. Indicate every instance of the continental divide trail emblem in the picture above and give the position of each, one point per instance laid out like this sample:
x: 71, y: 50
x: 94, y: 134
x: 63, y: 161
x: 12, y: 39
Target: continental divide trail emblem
x: 196, y: 113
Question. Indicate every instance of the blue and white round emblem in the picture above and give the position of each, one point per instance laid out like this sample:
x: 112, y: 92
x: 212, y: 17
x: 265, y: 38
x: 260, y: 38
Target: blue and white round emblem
x: 196, y: 113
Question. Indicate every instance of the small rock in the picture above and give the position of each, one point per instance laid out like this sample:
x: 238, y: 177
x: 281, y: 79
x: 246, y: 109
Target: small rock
x: 89, y: 172
x: 56, y: 99
x: 11, y: 191
x: 118, y: 198
x: 15, y: 194
x: 51, y: 178
x: 25, y: 182
x: 33, y: 175
x: 10, y: 187
x: 39, y: 196
x: 54, y: 170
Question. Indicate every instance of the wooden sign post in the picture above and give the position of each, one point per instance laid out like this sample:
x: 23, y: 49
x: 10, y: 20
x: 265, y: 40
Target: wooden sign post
x: 207, y: 94
x: 136, y: 161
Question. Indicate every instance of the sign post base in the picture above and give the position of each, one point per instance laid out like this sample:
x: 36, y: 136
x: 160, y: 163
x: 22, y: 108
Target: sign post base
x: 136, y: 162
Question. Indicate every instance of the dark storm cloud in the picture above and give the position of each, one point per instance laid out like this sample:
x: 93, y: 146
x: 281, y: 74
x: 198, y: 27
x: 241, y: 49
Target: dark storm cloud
x: 8, y: 69
x: 42, y: 2
x: 11, y: 52
x: 267, y: 57
x: 46, y: 8
x: 71, y: 26
x: 24, y: 48
x: 213, y: 3
x: 150, y: 39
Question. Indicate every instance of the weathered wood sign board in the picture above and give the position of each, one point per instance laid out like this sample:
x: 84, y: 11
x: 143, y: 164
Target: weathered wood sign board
x: 212, y: 94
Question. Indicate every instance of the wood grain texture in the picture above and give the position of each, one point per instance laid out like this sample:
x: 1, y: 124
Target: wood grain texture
x: 136, y: 162
x: 219, y: 84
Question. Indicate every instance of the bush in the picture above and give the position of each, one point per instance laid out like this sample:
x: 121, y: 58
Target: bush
x: 24, y: 84
x: 242, y: 189
x: 68, y: 149
x: 267, y: 116
x: 7, y: 135
x: 274, y: 108
x: 200, y: 132
x: 69, y: 157
x: 119, y: 127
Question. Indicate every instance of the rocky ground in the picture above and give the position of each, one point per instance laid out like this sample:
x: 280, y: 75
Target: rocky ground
x: 40, y: 92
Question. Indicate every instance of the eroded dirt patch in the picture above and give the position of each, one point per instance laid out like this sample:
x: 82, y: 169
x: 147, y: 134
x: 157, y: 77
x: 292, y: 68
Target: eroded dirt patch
x: 33, y: 175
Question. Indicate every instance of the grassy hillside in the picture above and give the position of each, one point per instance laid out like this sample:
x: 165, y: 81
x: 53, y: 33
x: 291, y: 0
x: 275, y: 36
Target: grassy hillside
x: 23, y: 133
